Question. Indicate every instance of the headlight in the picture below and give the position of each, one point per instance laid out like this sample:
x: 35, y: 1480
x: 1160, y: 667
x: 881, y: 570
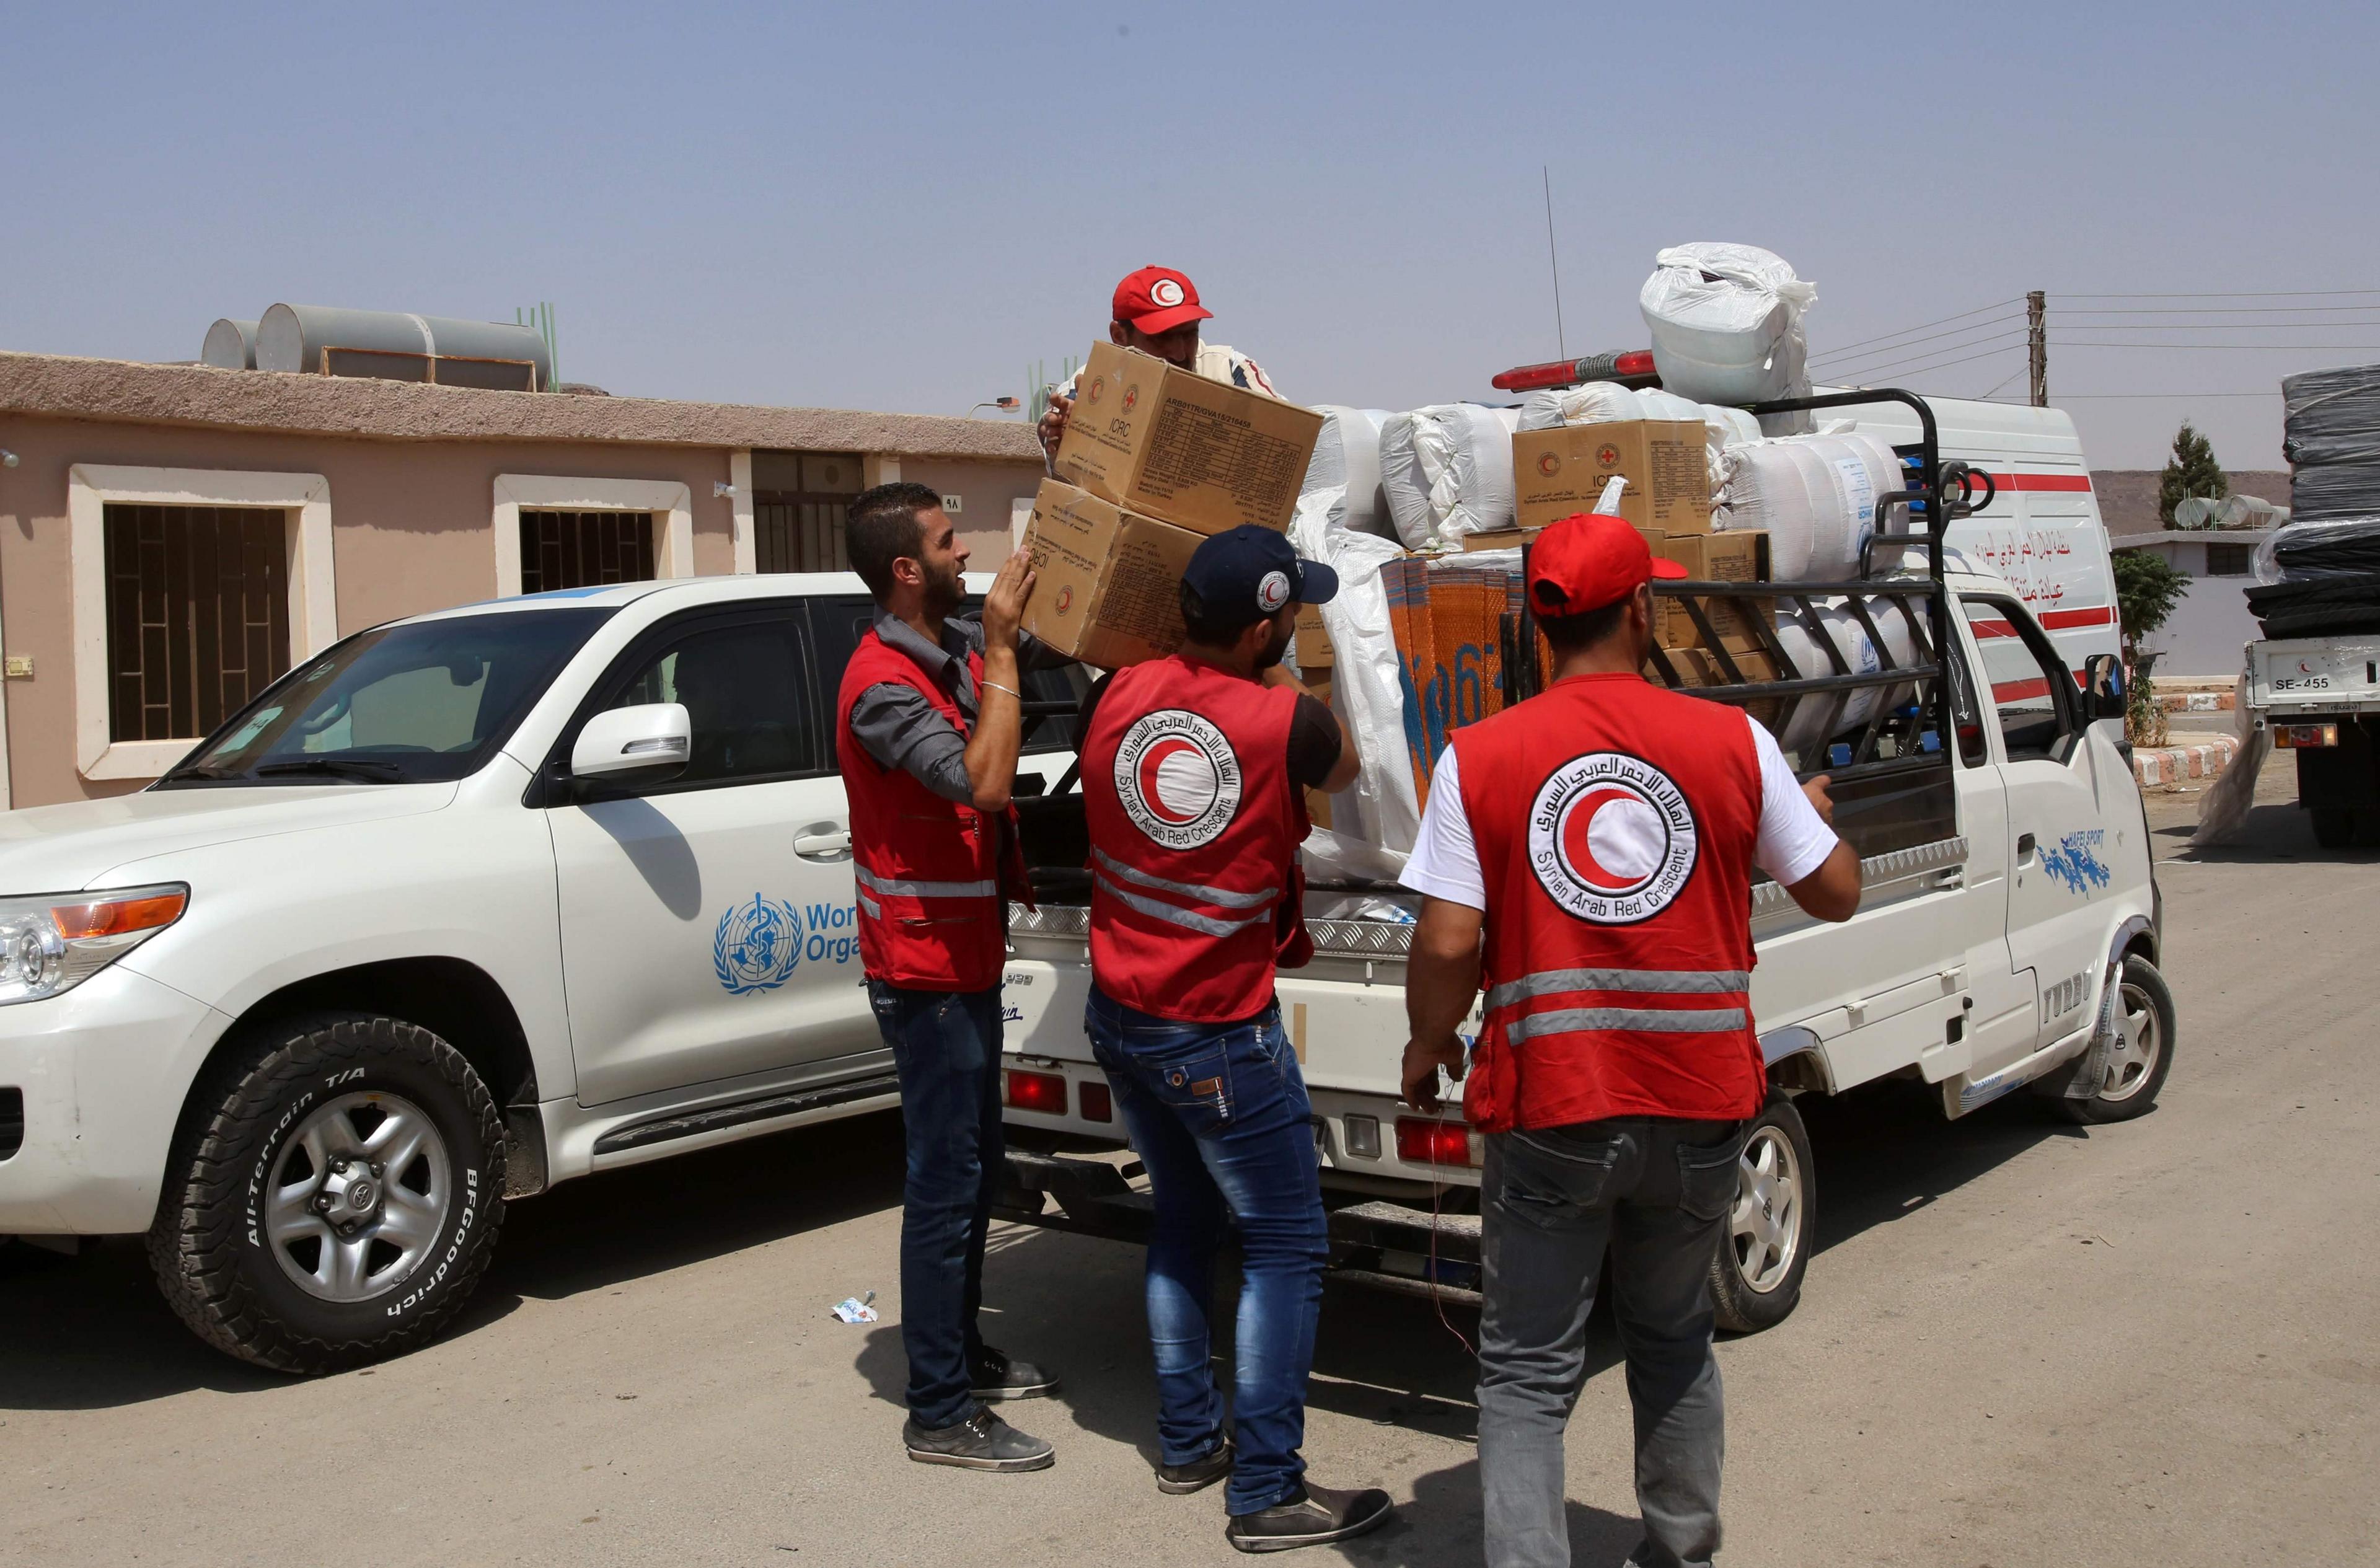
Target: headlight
x: 52, y: 943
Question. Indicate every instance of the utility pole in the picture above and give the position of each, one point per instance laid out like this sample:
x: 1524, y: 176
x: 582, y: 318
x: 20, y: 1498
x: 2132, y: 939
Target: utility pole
x: 2036, y: 345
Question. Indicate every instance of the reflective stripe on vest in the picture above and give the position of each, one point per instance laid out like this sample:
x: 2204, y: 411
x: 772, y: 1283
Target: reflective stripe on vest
x: 1189, y: 919
x: 1223, y: 896
x: 896, y: 887
x: 1646, y: 1020
x: 1552, y: 982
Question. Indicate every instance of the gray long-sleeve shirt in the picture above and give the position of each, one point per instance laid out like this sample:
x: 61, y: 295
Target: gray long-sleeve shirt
x: 900, y: 729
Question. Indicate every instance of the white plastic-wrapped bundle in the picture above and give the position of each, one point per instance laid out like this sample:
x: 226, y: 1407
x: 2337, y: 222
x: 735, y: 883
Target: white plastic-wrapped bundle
x: 1347, y: 461
x: 1809, y: 726
x: 1447, y: 471
x: 1816, y: 494
x: 1364, y: 686
x: 1726, y: 321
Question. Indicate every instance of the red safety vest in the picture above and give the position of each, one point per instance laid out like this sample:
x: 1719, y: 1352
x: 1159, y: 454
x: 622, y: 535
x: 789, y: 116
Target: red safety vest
x: 932, y: 872
x: 1194, y: 824
x: 1615, y: 824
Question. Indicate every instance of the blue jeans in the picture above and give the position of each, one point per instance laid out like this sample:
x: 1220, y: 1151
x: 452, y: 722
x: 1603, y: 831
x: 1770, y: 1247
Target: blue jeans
x: 1218, y: 1115
x: 946, y: 1048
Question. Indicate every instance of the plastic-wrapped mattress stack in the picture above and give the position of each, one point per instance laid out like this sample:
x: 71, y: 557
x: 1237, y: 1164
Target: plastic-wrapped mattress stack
x: 2321, y: 573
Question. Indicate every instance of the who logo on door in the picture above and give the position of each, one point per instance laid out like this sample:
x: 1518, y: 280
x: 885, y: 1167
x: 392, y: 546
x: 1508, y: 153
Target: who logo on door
x: 757, y: 946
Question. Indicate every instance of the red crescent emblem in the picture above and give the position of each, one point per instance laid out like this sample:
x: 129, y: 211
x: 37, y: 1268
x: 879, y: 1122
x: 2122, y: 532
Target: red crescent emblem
x: 1576, y: 849
x: 1151, y: 762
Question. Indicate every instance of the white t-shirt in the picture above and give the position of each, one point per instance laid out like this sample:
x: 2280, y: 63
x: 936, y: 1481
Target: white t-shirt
x: 1793, y: 839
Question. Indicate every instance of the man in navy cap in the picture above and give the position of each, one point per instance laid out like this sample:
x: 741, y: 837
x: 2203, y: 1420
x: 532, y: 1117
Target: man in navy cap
x: 1195, y: 769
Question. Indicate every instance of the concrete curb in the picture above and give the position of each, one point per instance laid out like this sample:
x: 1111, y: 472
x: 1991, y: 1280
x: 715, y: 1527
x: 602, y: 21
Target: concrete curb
x: 2163, y: 767
x: 2198, y: 701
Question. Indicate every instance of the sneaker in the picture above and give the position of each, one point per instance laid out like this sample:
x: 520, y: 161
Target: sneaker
x: 1181, y: 1480
x: 997, y: 1376
x: 982, y: 1441
x: 1316, y: 1515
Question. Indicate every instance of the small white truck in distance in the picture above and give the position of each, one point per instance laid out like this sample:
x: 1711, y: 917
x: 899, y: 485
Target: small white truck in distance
x: 465, y: 906
x: 2320, y: 697
x: 2008, y: 934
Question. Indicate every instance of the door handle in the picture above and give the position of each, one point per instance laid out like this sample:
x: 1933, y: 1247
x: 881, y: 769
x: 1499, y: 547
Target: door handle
x: 2024, y: 847
x: 823, y: 840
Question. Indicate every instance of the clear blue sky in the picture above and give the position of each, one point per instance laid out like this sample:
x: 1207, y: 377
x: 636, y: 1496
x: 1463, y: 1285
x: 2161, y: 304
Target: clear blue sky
x: 900, y: 207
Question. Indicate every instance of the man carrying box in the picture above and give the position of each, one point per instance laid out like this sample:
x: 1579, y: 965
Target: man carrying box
x: 1193, y: 768
x: 928, y: 724
x: 1157, y: 311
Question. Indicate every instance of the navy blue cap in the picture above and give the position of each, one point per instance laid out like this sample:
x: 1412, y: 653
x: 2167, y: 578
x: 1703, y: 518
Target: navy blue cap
x: 1247, y: 573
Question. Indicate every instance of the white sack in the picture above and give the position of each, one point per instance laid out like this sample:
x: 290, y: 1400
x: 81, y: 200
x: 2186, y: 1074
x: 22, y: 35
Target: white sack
x: 1808, y: 724
x: 1816, y: 494
x: 1364, y: 685
x: 1347, y: 459
x: 1447, y: 471
x: 1726, y: 321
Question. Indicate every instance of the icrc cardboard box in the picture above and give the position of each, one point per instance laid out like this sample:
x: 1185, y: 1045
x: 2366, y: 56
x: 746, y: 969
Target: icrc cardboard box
x: 1107, y: 582
x: 1737, y: 556
x: 1559, y: 471
x: 1162, y: 441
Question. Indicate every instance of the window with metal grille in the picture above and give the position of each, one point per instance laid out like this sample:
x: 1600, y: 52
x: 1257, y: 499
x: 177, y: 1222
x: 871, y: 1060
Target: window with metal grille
x: 584, y: 549
x: 800, y: 501
x: 197, y: 615
x: 2231, y: 560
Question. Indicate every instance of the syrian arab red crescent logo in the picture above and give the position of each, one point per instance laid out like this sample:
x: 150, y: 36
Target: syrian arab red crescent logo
x: 1165, y: 291
x: 1611, y: 838
x: 1177, y: 778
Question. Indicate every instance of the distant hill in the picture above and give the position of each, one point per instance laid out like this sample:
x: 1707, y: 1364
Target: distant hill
x: 2128, y: 497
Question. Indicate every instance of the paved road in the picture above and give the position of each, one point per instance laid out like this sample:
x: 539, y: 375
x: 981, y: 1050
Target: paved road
x: 2022, y: 1343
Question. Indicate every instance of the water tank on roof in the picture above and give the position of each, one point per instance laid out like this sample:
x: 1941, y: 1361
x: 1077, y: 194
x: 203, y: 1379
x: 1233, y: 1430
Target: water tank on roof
x: 231, y: 345
x: 293, y: 338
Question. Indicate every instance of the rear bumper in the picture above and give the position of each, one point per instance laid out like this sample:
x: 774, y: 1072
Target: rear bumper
x: 102, y: 1071
x: 1376, y: 1242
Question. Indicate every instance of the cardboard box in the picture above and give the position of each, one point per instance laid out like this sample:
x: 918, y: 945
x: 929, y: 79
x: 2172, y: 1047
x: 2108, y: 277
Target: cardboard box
x: 1107, y: 582
x: 1502, y: 538
x: 1557, y: 472
x: 1313, y: 645
x: 1175, y: 446
x: 1697, y: 667
x: 1740, y: 555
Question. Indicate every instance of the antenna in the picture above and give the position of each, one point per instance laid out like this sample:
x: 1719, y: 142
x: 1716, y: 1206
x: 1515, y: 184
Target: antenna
x: 1560, y: 340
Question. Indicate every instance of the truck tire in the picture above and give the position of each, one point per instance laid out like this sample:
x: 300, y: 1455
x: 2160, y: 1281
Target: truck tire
x: 2135, y: 1071
x: 2333, y: 826
x: 1765, y: 1249
x: 334, y: 1195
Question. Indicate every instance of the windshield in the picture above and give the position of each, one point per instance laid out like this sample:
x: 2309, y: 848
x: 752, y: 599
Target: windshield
x: 425, y: 703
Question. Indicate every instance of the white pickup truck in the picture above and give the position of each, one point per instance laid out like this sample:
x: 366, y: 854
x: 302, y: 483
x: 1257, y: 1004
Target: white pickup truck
x: 2008, y: 934
x: 469, y: 904
x: 2320, y: 697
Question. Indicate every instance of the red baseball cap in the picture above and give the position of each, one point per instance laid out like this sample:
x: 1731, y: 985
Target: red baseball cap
x: 1588, y: 560
x: 1157, y: 299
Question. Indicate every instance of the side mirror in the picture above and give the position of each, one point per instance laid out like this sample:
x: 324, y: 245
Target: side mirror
x: 647, y: 744
x: 2103, y: 687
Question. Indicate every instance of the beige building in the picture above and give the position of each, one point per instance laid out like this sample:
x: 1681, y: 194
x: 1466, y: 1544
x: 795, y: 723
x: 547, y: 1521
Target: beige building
x: 174, y: 537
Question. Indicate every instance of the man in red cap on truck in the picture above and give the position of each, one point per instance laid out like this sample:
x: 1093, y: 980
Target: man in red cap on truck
x: 1601, y: 838
x: 1156, y: 311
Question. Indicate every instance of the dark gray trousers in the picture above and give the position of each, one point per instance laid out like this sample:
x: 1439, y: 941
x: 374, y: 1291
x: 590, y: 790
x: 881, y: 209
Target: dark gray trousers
x: 1656, y: 1192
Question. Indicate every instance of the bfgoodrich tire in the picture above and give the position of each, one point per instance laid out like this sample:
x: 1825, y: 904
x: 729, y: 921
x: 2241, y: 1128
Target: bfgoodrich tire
x: 1764, y: 1249
x: 335, y: 1196
x: 2136, y: 1069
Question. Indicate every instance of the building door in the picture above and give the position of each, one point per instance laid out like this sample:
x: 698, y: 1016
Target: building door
x: 800, y: 501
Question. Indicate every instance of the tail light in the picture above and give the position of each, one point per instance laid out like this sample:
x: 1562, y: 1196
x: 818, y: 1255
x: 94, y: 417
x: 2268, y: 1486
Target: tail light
x: 1421, y: 1141
x: 1041, y: 1092
x: 1635, y: 365
x: 2304, y: 736
x: 1098, y: 1104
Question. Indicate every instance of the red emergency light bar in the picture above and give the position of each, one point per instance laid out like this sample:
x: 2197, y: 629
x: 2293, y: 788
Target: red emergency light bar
x: 1633, y: 367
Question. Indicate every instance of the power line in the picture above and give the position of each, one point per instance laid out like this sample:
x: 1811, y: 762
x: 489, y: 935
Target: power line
x: 2301, y: 347
x: 1971, y: 327
x: 1922, y: 326
x: 2206, y: 326
x: 2200, y: 310
x: 1943, y: 365
x: 2218, y: 293
x: 1863, y: 369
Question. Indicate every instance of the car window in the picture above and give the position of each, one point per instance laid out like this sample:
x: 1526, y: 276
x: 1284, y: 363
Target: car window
x: 747, y: 690
x: 837, y: 624
x: 2028, y: 680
